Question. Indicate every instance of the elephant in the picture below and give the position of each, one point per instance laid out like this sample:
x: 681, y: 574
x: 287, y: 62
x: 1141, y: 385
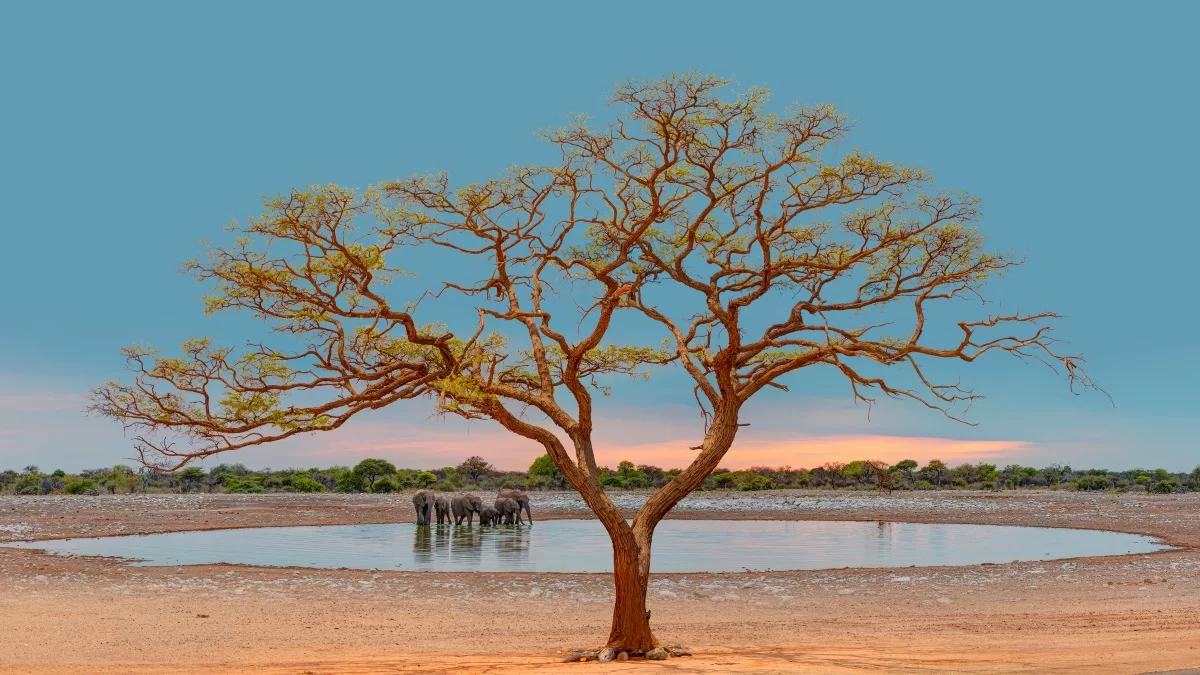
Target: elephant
x: 423, y: 503
x: 509, y: 509
x: 465, y: 506
x: 442, y: 506
x: 488, y: 516
x: 522, y: 499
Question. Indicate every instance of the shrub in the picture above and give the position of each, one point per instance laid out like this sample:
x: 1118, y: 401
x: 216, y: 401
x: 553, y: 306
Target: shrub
x: 424, y: 479
x: 612, y: 480
x: 79, y: 487
x: 724, y: 479
x: 1164, y: 487
x: 922, y: 485
x: 384, y: 485
x: 349, y: 482
x: 1093, y: 482
x: 960, y: 483
x: 27, y: 482
x: 237, y: 485
x: 306, y: 484
x: 443, y: 487
x: 753, y: 481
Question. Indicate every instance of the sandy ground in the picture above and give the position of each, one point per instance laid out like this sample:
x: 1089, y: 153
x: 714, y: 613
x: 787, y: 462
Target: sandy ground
x: 1125, y: 614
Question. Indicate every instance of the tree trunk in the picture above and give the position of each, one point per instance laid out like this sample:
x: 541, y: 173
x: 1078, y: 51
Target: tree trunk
x: 631, y: 576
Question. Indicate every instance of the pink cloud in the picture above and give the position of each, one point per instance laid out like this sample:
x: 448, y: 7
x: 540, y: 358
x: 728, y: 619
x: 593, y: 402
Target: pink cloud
x: 438, y: 443
x: 810, y: 451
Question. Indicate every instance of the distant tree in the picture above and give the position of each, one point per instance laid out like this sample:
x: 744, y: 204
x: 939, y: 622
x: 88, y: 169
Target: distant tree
x: 544, y: 466
x: 474, y: 469
x: 371, y: 470
x: 191, y: 478
x: 907, y: 467
x: 654, y: 475
x: 937, y: 471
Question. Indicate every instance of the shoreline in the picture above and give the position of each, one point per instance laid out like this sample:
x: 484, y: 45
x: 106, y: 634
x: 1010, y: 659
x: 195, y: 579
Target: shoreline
x: 1129, y: 613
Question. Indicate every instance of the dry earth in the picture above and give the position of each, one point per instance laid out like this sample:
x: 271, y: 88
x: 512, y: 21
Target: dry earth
x: 1124, y: 614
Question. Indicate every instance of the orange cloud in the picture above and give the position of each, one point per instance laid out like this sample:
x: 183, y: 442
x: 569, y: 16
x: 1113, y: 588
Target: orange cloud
x: 435, y: 445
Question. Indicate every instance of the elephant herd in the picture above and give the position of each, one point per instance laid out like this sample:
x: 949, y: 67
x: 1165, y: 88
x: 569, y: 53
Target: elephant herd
x: 506, y: 510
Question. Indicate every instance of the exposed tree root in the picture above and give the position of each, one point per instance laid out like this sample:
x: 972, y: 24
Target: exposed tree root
x: 608, y: 654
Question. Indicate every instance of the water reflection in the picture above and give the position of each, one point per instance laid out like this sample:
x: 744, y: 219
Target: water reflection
x: 583, y: 546
x: 439, y: 546
x: 422, y: 546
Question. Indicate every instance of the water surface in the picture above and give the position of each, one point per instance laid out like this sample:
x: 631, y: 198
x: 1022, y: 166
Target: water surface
x: 583, y: 546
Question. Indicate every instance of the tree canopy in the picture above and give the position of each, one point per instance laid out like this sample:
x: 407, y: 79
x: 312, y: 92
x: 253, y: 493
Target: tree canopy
x: 747, y: 237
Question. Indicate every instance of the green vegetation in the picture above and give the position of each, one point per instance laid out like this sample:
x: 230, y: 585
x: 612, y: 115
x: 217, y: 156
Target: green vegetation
x: 380, y: 476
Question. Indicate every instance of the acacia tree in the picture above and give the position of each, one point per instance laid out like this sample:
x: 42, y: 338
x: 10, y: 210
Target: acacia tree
x: 694, y: 210
x: 475, y: 468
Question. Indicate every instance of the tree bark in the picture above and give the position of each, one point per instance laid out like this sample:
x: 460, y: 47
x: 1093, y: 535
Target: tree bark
x: 631, y: 577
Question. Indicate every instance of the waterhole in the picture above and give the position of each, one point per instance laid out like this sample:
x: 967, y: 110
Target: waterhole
x: 583, y: 546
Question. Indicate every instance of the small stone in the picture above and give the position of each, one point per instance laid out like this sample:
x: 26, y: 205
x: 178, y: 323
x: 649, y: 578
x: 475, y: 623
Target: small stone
x: 846, y: 591
x: 607, y: 654
x: 658, y: 654
x: 945, y: 601
x: 676, y: 650
x: 1033, y: 588
x: 623, y: 656
x: 664, y: 593
x: 901, y: 580
x: 179, y: 571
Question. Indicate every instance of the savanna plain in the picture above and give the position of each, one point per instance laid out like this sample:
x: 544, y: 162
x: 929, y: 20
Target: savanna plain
x: 1120, y: 614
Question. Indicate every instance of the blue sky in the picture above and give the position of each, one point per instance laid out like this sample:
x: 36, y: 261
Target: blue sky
x: 133, y: 130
